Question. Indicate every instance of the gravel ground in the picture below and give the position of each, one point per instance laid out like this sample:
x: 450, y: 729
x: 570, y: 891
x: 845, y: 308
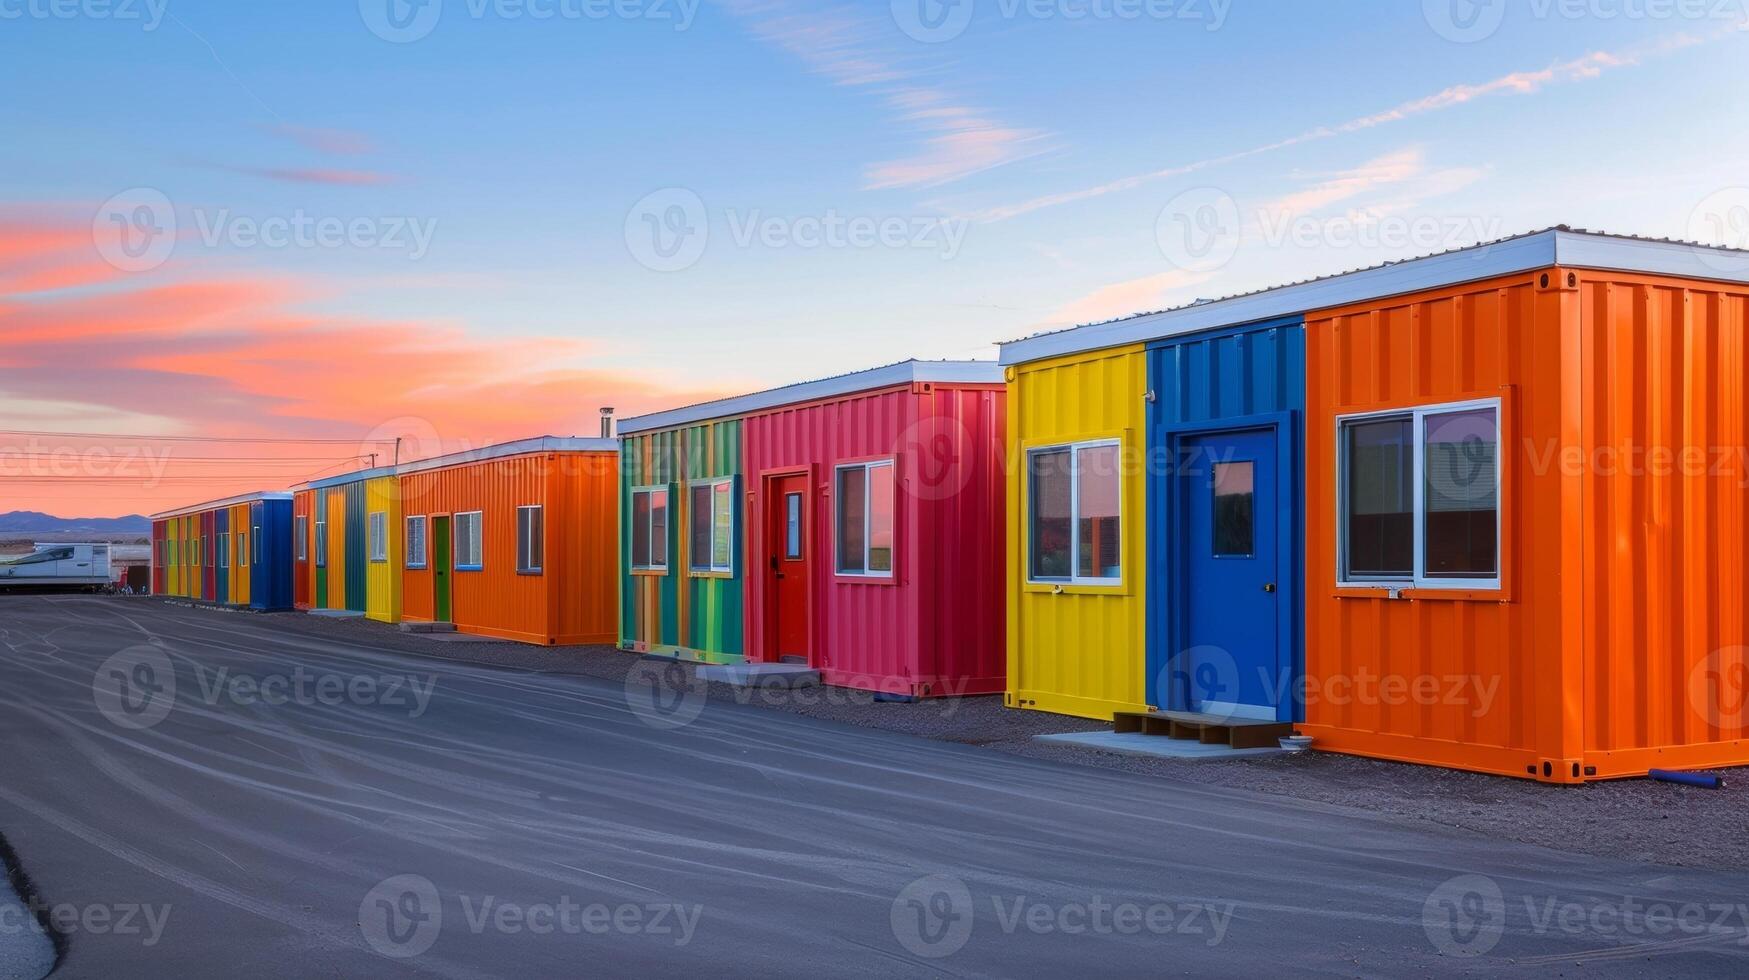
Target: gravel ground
x: 1629, y: 819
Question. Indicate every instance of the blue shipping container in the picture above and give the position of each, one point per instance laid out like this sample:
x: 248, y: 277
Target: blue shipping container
x: 270, y: 553
x: 1226, y: 521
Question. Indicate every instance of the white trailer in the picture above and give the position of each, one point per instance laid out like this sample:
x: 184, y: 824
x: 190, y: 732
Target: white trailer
x: 71, y: 565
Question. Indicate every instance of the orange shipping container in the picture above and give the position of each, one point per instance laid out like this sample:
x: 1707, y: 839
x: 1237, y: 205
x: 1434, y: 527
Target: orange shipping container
x: 1526, y: 516
x: 518, y: 541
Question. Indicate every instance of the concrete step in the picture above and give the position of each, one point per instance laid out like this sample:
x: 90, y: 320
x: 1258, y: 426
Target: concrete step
x: 1137, y: 744
x: 428, y: 627
x: 761, y: 675
x: 337, y: 613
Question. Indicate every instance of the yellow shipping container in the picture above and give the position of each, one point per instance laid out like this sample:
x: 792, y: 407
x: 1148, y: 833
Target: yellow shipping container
x: 383, y: 549
x: 1078, y: 649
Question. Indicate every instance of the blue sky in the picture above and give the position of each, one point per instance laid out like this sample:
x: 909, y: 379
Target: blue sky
x: 526, y: 142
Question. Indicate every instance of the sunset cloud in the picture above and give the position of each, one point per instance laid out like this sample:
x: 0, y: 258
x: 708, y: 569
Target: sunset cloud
x: 233, y: 357
x: 850, y: 47
x: 318, y: 175
x: 337, y: 142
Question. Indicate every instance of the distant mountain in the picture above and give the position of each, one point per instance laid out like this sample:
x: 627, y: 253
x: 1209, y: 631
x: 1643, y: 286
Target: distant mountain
x: 33, y: 522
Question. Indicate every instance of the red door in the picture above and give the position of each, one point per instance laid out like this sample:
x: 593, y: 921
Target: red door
x: 787, y: 544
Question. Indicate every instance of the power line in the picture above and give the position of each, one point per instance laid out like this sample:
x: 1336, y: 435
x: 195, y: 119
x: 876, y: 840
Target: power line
x: 217, y: 439
x: 288, y: 460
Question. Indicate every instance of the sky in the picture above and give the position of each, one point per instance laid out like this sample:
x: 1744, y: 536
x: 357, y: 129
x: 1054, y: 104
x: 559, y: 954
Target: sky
x: 243, y: 244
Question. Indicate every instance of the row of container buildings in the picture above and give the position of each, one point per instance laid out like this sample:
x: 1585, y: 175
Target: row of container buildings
x: 1484, y: 509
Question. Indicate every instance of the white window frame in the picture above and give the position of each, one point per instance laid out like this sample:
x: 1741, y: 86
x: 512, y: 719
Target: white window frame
x: 302, y: 534
x: 243, y: 548
x: 632, y: 520
x: 377, y: 529
x: 456, y: 523
x: 416, y: 558
x: 1417, y: 416
x: 224, y: 549
x: 710, y: 566
x: 321, y: 544
x: 1074, y: 577
x: 255, y: 544
x: 525, y: 548
x: 867, y: 466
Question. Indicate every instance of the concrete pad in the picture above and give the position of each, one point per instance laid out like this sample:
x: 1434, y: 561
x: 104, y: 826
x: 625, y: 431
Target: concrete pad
x: 1154, y: 746
x: 337, y: 614
x: 460, y: 638
x: 420, y: 627
x: 761, y: 675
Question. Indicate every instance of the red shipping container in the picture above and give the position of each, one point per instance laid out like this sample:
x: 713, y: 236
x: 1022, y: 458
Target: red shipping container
x: 303, y: 576
x: 874, y: 530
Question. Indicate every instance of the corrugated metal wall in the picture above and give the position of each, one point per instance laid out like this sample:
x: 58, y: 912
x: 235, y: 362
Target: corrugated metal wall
x: 1623, y: 407
x: 357, y: 579
x: 1208, y: 380
x: 936, y: 627
x: 240, y: 520
x: 1495, y: 656
x: 696, y: 617
x: 160, y: 555
x: 226, y: 578
x: 383, y: 578
x: 303, y: 571
x: 958, y: 484
x: 1078, y: 650
x: 583, y: 547
x: 574, y: 599
x: 271, y: 579
x: 310, y: 590
x: 175, y: 547
x: 1665, y: 427
x: 334, y: 576
x: 209, y: 574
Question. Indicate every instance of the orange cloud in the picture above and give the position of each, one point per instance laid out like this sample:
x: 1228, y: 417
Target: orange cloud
x: 316, y: 175
x: 341, y: 142
x: 164, y: 359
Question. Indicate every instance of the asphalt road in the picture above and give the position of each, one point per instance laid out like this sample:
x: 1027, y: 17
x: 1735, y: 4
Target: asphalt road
x: 389, y: 815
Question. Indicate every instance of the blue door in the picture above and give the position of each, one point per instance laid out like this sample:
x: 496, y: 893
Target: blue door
x: 1230, y: 657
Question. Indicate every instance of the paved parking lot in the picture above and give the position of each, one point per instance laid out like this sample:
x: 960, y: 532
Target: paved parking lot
x: 263, y: 801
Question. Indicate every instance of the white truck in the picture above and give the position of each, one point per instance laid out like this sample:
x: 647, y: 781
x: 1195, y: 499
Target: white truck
x: 77, y: 566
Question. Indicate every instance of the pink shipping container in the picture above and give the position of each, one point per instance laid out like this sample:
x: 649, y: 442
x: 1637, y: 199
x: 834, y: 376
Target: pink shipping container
x: 875, y: 534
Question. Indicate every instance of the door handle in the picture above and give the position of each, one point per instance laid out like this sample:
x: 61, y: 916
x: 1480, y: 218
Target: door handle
x: 1269, y: 587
